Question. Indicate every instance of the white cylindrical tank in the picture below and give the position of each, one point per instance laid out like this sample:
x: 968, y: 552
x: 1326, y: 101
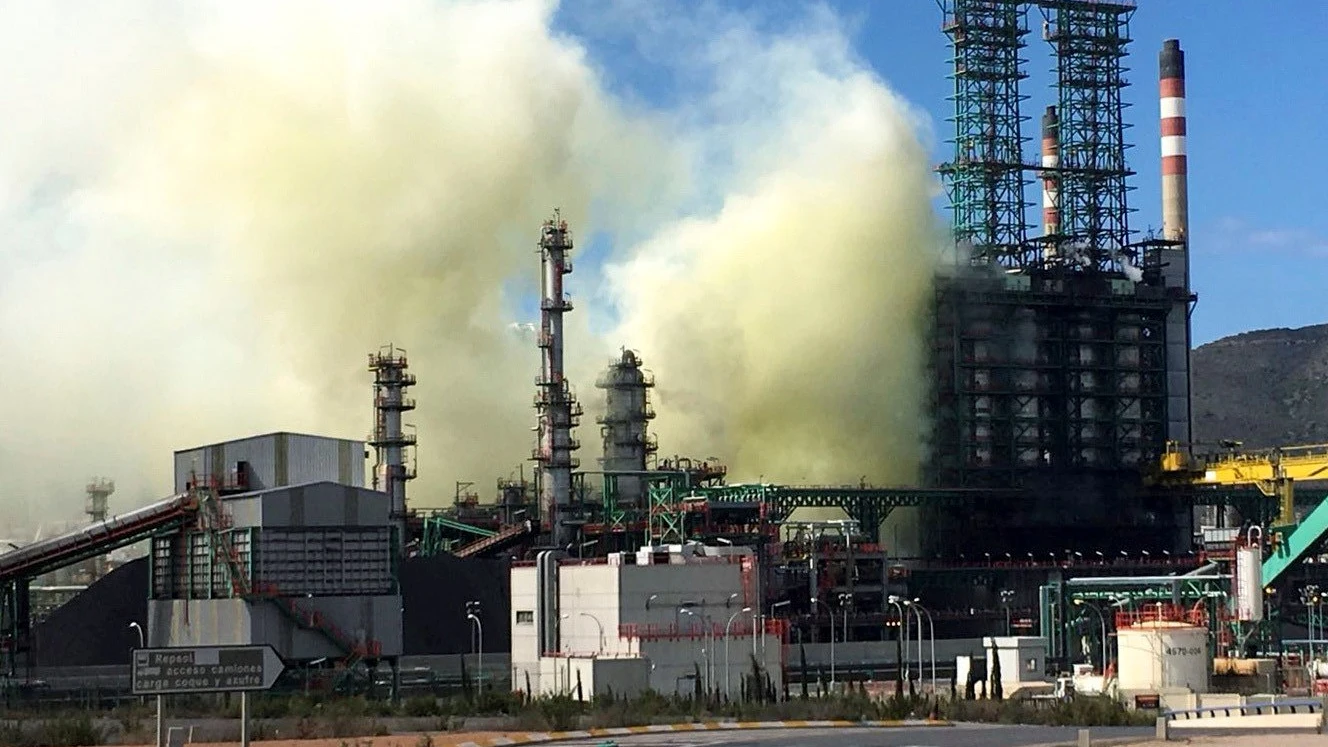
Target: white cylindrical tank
x: 1163, y: 655
x: 1249, y: 584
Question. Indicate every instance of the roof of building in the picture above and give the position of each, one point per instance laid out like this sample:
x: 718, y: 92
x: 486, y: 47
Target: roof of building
x: 257, y: 436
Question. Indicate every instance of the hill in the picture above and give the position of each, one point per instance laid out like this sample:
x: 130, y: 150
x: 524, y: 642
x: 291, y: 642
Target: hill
x: 1265, y: 388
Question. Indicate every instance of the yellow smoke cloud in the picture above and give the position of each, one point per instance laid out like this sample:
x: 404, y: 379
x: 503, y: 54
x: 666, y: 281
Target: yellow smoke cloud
x: 245, y: 198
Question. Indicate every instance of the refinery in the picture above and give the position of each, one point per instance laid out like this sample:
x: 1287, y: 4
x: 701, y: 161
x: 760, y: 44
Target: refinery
x: 1066, y: 533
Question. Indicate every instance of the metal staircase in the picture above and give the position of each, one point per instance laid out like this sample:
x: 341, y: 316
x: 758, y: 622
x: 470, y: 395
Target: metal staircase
x: 501, y: 540
x: 214, y: 519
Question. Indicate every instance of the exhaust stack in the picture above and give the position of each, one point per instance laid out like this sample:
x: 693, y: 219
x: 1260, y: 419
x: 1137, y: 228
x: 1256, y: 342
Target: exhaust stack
x: 1051, y: 159
x: 1175, y: 191
x: 1176, y: 228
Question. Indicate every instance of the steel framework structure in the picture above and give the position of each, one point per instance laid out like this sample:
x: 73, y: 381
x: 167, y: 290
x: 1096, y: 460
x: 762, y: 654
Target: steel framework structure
x: 986, y: 180
x: 1090, y: 40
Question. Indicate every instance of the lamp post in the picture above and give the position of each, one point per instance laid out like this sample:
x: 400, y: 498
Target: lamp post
x: 139, y: 628
x: 912, y: 605
x: 1103, y: 619
x: 831, y: 613
x: 599, y: 625
x: 1007, y: 596
x: 931, y: 634
x: 1307, y: 598
x: 709, y: 648
x: 473, y: 614
x: 903, y: 633
x: 728, y: 670
x: 773, y: 607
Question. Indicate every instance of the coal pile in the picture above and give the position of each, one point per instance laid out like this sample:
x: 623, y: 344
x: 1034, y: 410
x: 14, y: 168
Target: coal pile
x: 435, y: 591
x: 92, y: 629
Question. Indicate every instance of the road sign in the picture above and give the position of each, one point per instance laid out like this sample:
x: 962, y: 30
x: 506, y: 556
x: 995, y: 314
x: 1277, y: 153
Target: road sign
x: 205, y: 669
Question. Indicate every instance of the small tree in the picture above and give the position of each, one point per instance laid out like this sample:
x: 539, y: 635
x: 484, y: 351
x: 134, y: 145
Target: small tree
x: 997, y: 692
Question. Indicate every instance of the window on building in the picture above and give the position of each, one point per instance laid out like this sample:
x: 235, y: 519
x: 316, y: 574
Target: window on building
x: 525, y: 617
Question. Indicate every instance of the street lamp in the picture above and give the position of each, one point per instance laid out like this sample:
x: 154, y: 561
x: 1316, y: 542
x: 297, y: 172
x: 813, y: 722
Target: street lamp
x: 728, y: 670
x: 773, y: 607
x: 931, y: 631
x: 845, y: 604
x: 139, y: 628
x: 831, y: 613
x: 912, y: 604
x: 650, y: 599
x: 903, y: 633
x: 1103, y: 619
x: 599, y: 625
x: 473, y: 614
x: 1308, y: 594
x: 709, y: 650
x: 1007, y: 596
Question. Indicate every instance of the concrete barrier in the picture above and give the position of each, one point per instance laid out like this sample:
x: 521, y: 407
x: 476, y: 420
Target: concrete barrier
x: 1299, y: 714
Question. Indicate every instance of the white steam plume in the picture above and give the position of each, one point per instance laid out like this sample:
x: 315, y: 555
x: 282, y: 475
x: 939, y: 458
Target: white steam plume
x: 213, y: 212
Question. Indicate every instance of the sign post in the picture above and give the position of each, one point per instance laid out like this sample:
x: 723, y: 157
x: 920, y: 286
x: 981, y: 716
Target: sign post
x: 205, y: 669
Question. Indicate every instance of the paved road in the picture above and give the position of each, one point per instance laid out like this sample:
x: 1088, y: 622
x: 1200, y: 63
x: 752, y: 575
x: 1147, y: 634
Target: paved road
x: 964, y: 735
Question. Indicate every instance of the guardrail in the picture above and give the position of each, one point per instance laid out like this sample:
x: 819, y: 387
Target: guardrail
x: 1299, y: 713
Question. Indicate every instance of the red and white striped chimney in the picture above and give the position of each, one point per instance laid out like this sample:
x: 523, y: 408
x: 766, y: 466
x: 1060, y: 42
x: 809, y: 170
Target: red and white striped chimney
x: 1175, y: 196
x: 1051, y: 159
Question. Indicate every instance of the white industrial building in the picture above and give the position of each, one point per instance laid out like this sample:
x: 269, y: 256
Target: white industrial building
x: 654, y: 619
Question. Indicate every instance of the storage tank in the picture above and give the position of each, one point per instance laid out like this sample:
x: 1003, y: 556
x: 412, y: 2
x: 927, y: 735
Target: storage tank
x: 1158, y: 655
x: 1249, y: 584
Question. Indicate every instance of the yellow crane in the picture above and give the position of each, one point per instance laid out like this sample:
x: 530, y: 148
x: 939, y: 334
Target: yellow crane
x: 1273, y: 471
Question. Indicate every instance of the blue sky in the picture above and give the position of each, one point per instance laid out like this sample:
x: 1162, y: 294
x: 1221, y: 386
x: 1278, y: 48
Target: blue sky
x: 1256, y: 108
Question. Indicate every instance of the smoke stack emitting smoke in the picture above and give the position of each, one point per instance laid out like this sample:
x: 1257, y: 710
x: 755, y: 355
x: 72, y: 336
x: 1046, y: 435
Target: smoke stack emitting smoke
x: 252, y: 198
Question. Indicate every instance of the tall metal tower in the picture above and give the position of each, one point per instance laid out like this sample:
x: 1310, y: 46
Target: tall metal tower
x: 986, y: 180
x: 389, y: 439
x: 558, y: 409
x: 99, y: 489
x: 627, y: 413
x: 1049, y: 378
x: 1090, y: 40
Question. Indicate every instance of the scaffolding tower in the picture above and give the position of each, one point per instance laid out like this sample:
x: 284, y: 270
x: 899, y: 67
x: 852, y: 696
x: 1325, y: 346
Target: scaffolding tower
x: 1049, y: 368
x: 986, y: 179
x: 1090, y: 40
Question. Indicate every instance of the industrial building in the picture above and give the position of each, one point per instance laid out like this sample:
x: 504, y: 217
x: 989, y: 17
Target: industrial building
x: 676, y: 620
x: 325, y: 556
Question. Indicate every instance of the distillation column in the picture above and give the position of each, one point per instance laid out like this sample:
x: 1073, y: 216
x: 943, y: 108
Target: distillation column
x: 627, y: 413
x: 389, y: 438
x: 558, y: 410
x: 1176, y: 228
x: 99, y: 490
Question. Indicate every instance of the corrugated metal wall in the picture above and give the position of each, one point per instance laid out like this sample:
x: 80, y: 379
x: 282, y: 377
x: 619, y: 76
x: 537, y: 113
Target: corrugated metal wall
x: 276, y: 460
x: 213, y: 622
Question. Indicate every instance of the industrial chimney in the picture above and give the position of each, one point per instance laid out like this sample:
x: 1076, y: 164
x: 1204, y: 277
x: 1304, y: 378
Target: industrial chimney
x: 1175, y: 197
x: 1175, y: 229
x: 1051, y: 160
x: 558, y: 410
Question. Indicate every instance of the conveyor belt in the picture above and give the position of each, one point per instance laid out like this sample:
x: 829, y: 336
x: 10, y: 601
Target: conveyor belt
x: 96, y: 539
